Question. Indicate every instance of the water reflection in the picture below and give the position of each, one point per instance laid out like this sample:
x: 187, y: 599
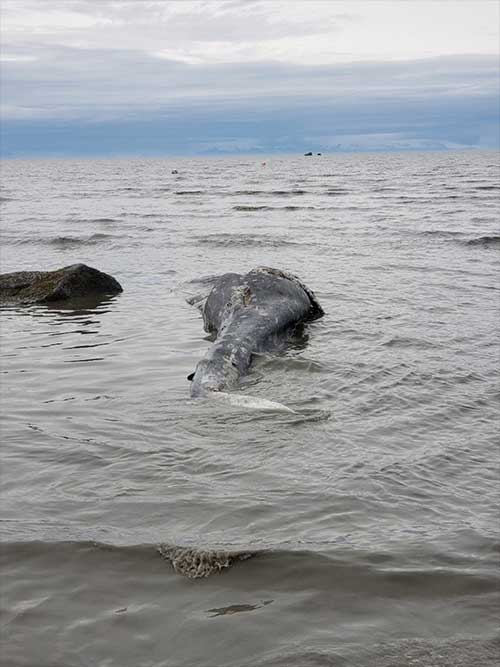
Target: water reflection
x: 75, y: 307
x: 79, y: 306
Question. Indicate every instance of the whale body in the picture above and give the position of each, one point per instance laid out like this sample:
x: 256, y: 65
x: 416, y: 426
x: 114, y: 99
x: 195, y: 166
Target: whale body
x: 247, y: 314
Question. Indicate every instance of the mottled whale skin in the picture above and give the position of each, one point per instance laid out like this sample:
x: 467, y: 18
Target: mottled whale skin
x: 248, y: 314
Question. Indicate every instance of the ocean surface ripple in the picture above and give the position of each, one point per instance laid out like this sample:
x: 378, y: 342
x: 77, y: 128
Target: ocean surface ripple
x: 362, y: 530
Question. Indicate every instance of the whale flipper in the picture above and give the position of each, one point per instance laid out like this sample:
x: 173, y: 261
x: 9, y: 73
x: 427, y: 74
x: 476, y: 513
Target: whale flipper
x: 252, y: 402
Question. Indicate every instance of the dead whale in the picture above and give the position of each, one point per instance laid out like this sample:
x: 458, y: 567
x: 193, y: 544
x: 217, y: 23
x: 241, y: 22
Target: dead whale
x: 248, y: 314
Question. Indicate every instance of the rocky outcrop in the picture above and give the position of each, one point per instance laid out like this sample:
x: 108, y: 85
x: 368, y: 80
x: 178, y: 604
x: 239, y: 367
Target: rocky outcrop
x: 75, y: 281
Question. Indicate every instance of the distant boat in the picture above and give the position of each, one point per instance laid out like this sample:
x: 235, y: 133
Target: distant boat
x: 308, y: 154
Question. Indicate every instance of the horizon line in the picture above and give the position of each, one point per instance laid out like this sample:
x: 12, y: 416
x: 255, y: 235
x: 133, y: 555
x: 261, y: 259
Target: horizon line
x: 237, y: 154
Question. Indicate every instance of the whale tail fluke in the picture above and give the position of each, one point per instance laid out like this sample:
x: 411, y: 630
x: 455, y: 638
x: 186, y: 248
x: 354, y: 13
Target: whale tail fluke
x: 252, y: 402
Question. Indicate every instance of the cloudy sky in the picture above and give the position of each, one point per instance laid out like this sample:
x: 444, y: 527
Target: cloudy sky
x: 207, y: 76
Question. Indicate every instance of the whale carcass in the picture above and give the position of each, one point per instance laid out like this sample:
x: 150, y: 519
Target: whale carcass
x: 247, y: 314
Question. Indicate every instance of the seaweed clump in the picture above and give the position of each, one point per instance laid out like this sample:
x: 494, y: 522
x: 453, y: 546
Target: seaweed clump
x: 195, y: 563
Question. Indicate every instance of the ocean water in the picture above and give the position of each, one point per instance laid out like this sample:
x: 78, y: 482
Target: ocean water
x: 372, y: 514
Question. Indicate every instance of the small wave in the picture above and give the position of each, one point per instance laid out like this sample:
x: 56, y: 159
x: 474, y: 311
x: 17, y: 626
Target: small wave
x: 189, y: 561
x: 190, y: 192
x: 248, y: 192
x: 333, y: 192
x: 405, y: 341
x: 3, y: 199
x: 64, y: 241
x: 441, y: 232
x: 487, y: 187
x: 274, y: 193
x: 81, y: 221
x: 141, y: 215
x: 276, y: 208
x: 486, y: 241
x: 244, y: 240
x: 488, y: 218
x: 252, y: 208
x: 72, y: 240
x: 300, y: 208
x: 286, y: 193
x: 319, y: 564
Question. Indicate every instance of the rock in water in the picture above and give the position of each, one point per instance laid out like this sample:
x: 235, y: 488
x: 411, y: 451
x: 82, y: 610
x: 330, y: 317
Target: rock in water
x: 77, y: 280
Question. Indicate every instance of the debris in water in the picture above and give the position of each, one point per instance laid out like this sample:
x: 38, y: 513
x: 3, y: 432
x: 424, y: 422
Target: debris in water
x: 196, y: 563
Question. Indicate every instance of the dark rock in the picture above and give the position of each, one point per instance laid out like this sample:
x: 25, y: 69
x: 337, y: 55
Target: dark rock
x: 308, y: 154
x: 75, y: 281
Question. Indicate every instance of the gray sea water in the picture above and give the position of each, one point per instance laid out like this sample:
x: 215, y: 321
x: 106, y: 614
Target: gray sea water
x: 373, y: 513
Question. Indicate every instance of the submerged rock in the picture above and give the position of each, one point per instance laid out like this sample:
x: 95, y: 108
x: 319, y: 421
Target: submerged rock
x: 77, y: 280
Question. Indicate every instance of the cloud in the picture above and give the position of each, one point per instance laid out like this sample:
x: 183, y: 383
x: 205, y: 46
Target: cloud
x: 309, y: 31
x: 80, y: 83
x: 187, y: 27
x: 256, y: 75
x: 270, y: 124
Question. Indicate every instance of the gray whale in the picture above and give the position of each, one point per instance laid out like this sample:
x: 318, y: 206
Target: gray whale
x: 247, y: 314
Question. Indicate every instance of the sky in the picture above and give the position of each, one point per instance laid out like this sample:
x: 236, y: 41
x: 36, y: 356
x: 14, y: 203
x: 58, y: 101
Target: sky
x: 202, y: 77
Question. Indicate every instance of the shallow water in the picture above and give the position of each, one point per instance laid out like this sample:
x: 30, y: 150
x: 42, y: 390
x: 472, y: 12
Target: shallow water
x: 372, y: 513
